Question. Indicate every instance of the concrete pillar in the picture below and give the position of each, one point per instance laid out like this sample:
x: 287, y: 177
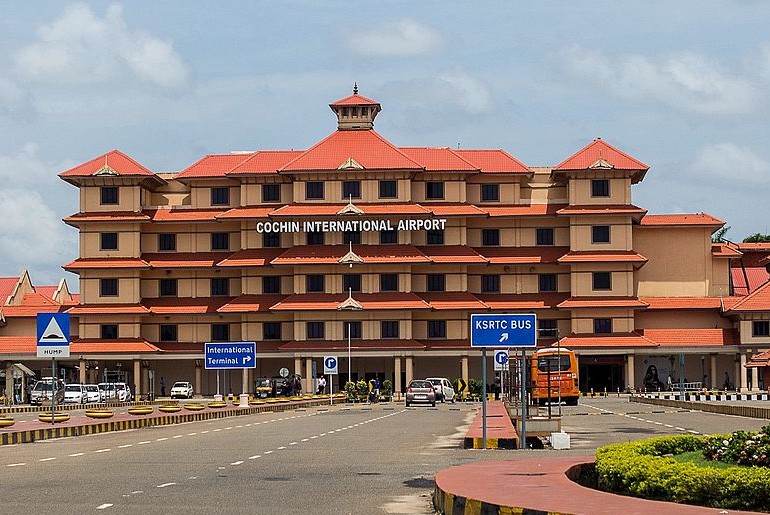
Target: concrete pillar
x: 82, y: 365
x: 409, y: 368
x: 741, y: 372
x: 397, y: 387
x: 630, y: 368
x: 754, y: 379
x: 198, y: 386
x: 715, y: 381
x: 136, y: 380
x: 309, y: 380
x: 464, y: 368
x: 9, y: 384
x: 298, y: 366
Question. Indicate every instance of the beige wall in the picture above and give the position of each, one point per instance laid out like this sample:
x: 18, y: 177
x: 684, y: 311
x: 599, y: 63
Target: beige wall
x: 581, y: 233
x: 580, y: 191
x: 622, y: 280
x: 129, y: 198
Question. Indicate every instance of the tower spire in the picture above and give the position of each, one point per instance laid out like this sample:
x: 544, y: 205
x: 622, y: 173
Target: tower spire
x: 355, y: 88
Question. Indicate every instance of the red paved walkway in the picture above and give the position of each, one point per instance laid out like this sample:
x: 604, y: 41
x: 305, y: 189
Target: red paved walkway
x: 500, y: 430
x: 541, y: 484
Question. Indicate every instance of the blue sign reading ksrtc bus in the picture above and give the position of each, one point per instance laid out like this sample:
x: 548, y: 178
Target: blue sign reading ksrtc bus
x: 504, y: 330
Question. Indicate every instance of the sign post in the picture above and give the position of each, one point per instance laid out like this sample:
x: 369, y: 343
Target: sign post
x: 509, y: 330
x: 330, y: 369
x: 53, y: 339
x: 231, y: 355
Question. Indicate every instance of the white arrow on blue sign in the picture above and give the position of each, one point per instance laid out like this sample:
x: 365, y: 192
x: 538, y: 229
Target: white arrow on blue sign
x: 53, y: 335
x: 330, y: 365
x: 504, y: 330
x: 501, y: 360
x: 226, y: 355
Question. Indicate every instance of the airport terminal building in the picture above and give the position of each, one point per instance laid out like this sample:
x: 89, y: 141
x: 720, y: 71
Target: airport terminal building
x: 357, y: 245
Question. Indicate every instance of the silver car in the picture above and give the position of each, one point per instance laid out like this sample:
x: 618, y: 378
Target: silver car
x: 420, y: 391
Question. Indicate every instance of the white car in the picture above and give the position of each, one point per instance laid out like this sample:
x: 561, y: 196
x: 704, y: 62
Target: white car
x: 115, y: 391
x: 182, y: 389
x: 93, y: 394
x: 444, y: 390
x: 75, y: 393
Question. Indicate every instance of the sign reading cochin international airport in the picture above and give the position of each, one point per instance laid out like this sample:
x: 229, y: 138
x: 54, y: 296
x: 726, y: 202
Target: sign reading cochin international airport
x: 430, y: 224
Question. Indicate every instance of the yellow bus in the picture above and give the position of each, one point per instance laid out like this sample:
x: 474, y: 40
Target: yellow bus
x: 554, y: 376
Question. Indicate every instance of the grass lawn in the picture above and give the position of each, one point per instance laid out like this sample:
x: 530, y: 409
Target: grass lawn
x: 696, y: 458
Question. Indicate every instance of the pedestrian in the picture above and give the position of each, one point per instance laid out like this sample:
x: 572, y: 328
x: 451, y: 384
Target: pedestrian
x: 726, y: 384
x: 162, y: 387
x: 321, y: 385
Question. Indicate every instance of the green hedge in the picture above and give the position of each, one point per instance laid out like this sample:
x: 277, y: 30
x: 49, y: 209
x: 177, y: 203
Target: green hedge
x: 647, y: 469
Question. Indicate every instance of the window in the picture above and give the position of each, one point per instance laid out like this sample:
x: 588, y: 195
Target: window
x: 168, y: 333
x: 600, y: 234
x: 434, y: 190
x: 490, y: 192
x: 109, y: 241
x: 220, y: 332
x: 387, y: 237
x: 352, y: 329
x: 388, y: 282
x: 602, y: 281
x: 108, y: 287
x: 600, y: 188
x: 760, y: 328
x: 315, y: 330
x: 314, y: 190
x: 271, y: 331
x: 271, y: 192
x: 436, y: 328
x: 602, y: 325
x: 547, y: 282
x: 108, y: 331
x: 220, y: 286
x: 389, y: 329
x: 351, y: 189
x: 351, y: 237
x: 388, y: 189
x: 167, y: 242
x: 351, y: 282
x: 167, y: 287
x: 271, y: 284
x: 220, y: 196
x: 314, y: 283
x: 490, y: 237
x: 547, y: 328
x: 109, y: 195
x: 315, y: 238
x: 544, y: 236
x: 490, y: 284
x: 436, y: 282
x: 220, y: 241
x: 435, y: 237
x: 271, y: 239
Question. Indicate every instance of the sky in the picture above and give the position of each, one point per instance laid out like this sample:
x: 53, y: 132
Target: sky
x: 682, y: 86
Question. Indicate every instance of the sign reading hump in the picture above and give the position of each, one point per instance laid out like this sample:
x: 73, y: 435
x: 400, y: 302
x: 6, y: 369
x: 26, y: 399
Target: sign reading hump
x: 53, y: 335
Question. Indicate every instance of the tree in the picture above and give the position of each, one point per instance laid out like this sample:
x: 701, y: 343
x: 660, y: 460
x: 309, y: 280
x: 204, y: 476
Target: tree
x: 719, y: 235
x: 757, y: 238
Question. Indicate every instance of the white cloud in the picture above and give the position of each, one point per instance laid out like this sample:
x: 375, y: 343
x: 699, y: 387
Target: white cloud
x: 451, y: 91
x: 79, y: 47
x: 684, y: 81
x: 402, y: 38
x: 730, y: 161
x: 13, y: 99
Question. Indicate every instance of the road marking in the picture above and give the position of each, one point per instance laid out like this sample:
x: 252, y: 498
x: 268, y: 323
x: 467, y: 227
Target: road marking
x: 104, y: 506
x: 76, y: 454
x: 161, y: 439
x: 217, y: 430
x: 46, y: 459
x: 680, y: 429
x: 255, y: 456
x: 266, y: 452
x: 293, y: 443
x: 204, y: 432
x: 304, y: 440
x: 102, y: 450
x: 314, y: 437
x: 15, y: 464
x: 191, y: 434
x: 126, y: 445
x: 281, y: 448
x: 164, y: 485
x: 144, y: 442
x: 237, y: 463
x: 177, y: 436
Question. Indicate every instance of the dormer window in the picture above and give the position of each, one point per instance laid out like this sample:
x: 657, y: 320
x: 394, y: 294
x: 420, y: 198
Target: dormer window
x: 109, y: 195
x: 600, y: 188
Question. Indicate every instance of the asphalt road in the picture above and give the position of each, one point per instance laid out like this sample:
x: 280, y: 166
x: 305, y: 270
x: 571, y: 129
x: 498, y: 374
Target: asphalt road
x: 358, y: 460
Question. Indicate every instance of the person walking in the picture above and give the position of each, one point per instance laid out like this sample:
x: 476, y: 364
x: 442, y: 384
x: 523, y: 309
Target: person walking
x: 162, y: 387
x: 321, y: 385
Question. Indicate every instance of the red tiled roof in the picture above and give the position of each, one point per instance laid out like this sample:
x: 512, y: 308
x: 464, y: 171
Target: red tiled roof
x: 216, y: 165
x: 530, y: 210
x: 609, y: 256
x: 441, y: 344
x: 185, y: 259
x: 115, y: 160
x: 392, y: 209
x: 48, y: 291
x: 681, y: 219
x: 522, y: 300
x: 602, y: 302
x: 246, y: 213
x: 108, y: 309
x: 494, y: 161
x: 598, y: 149
x: 690, y: 337
x: 758, y: 300
x: 601, y: 210
x: 330, y: 301
x: 366, y: 147
x: 121, y: 346
x: 439, y: 159
x: 722, y: 250
x: 521, y: 255
x: 264, y: 162
x: 251, y: 303
x: 180, y: 347
x: 761, y: 359
x: 456, y: 254
x: 729, y: 302
x: 106, y: 262
x: 757, y: 276
x: 251, y: 257
x: 185, y: 215
x: 682, y: 303
x: 355, y: 100
x: 7, y: 285
x: 614, y: 340
x: 110, y: 217
x: 331, y: 254
x: 31, y: 305
x: 184, y: 305
x: 356, y: 345
x: 453, y: 209
x: 452, y: 300
x: 18, y: 345
x: 762, y: 246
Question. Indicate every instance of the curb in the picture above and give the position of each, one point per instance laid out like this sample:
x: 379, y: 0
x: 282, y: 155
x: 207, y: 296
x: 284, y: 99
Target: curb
x: 450, y: 504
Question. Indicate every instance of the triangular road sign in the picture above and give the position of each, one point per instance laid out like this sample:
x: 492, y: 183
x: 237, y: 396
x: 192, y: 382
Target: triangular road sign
x: 53, y: 333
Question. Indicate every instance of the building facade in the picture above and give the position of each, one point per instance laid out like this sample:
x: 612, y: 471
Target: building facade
x: 358, y: 247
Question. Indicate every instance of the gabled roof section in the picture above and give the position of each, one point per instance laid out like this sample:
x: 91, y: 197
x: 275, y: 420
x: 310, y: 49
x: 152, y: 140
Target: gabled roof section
x: 214, y: 165
x: 7, y: 286
x: 682, y: 303
x: 264, y: 162
x: 494, y: 161
x: 355, y: 100
x: 759, y: 300
x: 251, y: 257
x: 112, y: 164
x: 600, y: 155
x: 251, y: 303
x: 366, y: 147
x: 677, y: 220
x: 754, y: 276
x: 723, y: 250
x: 439, y: 159
x: 185, y: 259
x: 185, y: 214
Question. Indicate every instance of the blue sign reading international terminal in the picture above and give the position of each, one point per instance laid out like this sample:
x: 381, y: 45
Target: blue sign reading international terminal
x: 225, y: 355
x: 504, y: 330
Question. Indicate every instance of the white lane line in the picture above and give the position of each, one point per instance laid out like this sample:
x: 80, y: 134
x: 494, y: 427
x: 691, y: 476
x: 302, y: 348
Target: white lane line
x: 164, y: 485
x: 680, y: 429
x: 177, y: 436
x: 237, y: 463
x: 125, y: 446
x: 304, y: 440
x: 266, y: 452
x: 255, y: 456
x: 46, y: 459
x: 191, y: 434
x: 15, y: 464
x: 161, y: 439
x: 281, y: 448
x: 137, y: 492
x: 668, y: 425
x: 144, y: 442
x: 102, y: 450
x: 104, y: 506
x: 293, y: 443
x: 191, y: 478
x: 314, y: 437
x: 76, y: 454
x: 217, y: 430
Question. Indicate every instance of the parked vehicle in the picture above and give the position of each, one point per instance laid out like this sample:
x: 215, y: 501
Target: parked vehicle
x: 116, y: 391
x: 93, y: 394
x: 445, y: 392
x: 420, y: 391
x: 182, y: 389
x: 42, y: 391
x: 265, y: 387
x: 75, y: 393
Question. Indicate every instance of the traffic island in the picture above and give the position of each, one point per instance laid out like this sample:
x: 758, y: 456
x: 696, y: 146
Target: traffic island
x: 500, y: 431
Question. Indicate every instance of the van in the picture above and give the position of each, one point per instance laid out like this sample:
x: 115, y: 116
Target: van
x: 444, y: 390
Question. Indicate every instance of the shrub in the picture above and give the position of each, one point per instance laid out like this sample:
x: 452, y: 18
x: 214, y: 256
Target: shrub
x: 350, y: 391
x: 740, y: 447
x: 474, y: 387
x: 387, y: 389
x: 362, y: 388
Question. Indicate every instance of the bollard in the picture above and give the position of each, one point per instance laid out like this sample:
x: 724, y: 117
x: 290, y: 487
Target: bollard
x: 618, y: 391
x: 605, y: 391
x: 592, y: 392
